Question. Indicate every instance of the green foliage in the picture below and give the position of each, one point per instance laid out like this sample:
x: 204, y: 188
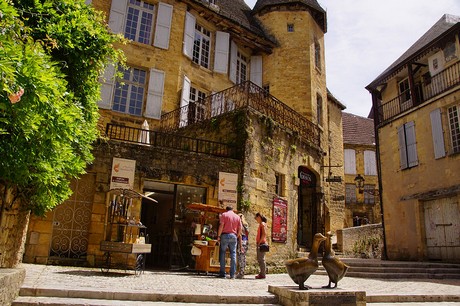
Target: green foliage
x: 54, y: 51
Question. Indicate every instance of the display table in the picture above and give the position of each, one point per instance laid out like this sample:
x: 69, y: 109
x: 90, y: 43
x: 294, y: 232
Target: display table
x: 138, y: 249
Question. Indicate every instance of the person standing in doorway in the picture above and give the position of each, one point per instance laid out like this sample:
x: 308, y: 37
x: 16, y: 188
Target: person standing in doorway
x: 227, y: 236
x: 242, y: 246
x: 261, y: 238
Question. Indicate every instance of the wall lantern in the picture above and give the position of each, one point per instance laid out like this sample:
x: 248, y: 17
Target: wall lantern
x: 359, y: 182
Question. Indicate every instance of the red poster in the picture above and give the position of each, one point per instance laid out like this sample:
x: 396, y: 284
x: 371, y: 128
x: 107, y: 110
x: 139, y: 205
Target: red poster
x: 279, y: 226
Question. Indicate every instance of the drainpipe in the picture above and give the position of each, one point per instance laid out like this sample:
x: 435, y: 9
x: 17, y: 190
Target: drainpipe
x: 375, y: 105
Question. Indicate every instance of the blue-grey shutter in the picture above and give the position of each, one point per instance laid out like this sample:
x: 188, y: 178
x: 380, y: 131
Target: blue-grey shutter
x: 163, y: 26
x: 184, y: 102
x: 118, y: 16
x: 412, y: 158
x: 402, y: 147
x: 350, y: 161
x: 189, y: 34
x: 222, y: 52
x: 107, y: 84
x: 437, y: 133
x: 88, y: 2
x: 233, y: 61
x: 256, y: 70
x: 370, y: 165
x: 155, y: 94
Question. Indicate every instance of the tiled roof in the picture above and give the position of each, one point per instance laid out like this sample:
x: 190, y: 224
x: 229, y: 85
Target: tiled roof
x: 357, y: 130
x: 445, y: 23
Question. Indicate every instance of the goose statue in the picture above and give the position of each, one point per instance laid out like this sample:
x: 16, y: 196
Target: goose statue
x: 300, y: 269
x: 335, y: 268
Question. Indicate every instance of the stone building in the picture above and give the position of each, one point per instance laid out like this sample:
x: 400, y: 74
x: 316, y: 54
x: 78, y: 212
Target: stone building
x: 416, y: 103
x: 212, y: 88
x: 362, y: 204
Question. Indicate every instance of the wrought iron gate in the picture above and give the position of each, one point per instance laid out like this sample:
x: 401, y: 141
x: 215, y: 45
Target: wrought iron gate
x: 71, y: 221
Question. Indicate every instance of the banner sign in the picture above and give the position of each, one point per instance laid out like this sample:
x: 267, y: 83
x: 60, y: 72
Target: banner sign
x: 228, y: 184
x: 279, y: 225
x: 122, y: 173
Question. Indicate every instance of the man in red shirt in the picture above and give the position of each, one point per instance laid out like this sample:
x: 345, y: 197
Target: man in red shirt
x: 228, y: 233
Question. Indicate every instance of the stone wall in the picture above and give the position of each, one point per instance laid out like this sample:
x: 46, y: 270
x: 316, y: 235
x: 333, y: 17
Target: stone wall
x: 10, y: 283
x: 364, y: 241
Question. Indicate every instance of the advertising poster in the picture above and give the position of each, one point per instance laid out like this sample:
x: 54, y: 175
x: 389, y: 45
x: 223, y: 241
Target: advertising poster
x: 279, y: 226
x: 228, y: 184
x: 122, y: 173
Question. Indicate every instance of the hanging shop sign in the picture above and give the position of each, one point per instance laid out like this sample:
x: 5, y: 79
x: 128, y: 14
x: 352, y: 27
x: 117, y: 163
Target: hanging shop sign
x: 122, y: 173
x: 228, y: 183
x: 307, y: 177
x: 279, y: 225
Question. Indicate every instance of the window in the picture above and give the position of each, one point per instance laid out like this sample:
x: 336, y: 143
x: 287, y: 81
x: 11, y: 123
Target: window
x: 369, y: 197
x: 290, y: 27
x: 450, y: 51
x: 279, y: 184
x: 404, y: 94
x: 350, y: 161
x: 454, y: 127
x: 196, y: 107
x: 370, y: 165
x: 319, y: 109
x: 318, y: 56
x: 350, y: 193
x: 407, y: 145
x: 241, y: 68
x: 139, y: 21
x: 129, y: 96
x: 201, y: 46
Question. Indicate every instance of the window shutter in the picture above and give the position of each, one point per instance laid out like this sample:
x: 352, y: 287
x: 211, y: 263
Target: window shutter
x: 233, y: 61
x: 107, y: 83
x: 118, y: 16
x: 88, y: 2
x: 411, y: 144
x: 189, y: 34
x: 184, y: 102
x: 256, y: 70
x: 402, y: 147
x: 438, y: 135
x: 222, y: 51
x: 370, y: 165
x: 350, y: 161
x: 155, y: 94
x: 163, y: 27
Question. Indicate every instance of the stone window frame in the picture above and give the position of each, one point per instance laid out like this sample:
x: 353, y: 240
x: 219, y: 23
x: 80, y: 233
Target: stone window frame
x: 144, y: 21
x: 129, y: 92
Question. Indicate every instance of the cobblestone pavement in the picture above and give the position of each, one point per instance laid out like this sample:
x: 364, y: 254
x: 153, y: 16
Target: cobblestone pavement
x: 92, y: 279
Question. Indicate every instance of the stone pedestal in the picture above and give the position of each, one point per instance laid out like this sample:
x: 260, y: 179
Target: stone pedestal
x: 292, y: 296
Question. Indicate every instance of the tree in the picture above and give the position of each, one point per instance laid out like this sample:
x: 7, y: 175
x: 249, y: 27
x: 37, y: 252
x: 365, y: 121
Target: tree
x: 52, y: 53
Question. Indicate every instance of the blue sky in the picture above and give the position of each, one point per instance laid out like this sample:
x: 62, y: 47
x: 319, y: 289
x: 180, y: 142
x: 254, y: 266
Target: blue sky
x: 364, y: 37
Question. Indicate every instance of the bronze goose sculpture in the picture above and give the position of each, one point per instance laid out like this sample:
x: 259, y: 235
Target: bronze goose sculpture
x: 335, y: 268
x: 300, y: 269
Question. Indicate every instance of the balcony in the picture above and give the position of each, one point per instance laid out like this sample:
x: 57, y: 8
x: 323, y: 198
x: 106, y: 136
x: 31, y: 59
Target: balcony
x: 244, y: 95
x: 424, y: 90
x: 171, y: 141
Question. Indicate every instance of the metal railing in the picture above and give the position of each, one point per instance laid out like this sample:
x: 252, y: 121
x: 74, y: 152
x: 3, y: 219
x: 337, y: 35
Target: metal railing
x: 431, y: 87
x: 244, y: 95
x: 171, y: 141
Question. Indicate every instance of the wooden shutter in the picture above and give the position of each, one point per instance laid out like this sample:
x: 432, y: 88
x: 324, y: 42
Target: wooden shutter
x: 184, y: 102
x: 233, y: 61
x: 256, y: 70
x: 107, y: 84
x: 370, y: 165
x: 155, y: 94
x: 118, y: 16
x: 350, y: 161
x: 222, y: 52
x: 189, y: 34
x: 437, y: 133
x: 163, y: 26
x: 402, y: 147
x: 412, y: 158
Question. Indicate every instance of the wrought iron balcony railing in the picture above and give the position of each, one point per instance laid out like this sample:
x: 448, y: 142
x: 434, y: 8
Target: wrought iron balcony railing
x: 244, y: 95
x: 424, y: 91
x: 172, y: 141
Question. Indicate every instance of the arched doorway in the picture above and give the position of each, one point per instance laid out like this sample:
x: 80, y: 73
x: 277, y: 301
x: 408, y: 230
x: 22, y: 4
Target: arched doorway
x: 307, y: 225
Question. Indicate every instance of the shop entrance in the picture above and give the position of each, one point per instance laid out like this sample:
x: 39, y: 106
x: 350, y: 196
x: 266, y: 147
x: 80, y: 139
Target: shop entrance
x: 168, y: 232
x: 307, y: 209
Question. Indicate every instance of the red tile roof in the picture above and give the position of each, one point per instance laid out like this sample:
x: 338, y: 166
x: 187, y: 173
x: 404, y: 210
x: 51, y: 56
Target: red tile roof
x: 357, y: 130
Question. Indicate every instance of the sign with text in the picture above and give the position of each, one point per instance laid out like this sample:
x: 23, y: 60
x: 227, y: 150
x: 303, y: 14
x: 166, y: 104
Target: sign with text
x: 122, y: 173
x: 279, y: 225
x: 228, y: 184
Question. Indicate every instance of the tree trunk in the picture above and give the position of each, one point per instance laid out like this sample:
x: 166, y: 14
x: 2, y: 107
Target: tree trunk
x: 14, y: 222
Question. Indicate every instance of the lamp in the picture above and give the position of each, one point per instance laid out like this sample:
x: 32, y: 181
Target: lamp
x: 359, y: 182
